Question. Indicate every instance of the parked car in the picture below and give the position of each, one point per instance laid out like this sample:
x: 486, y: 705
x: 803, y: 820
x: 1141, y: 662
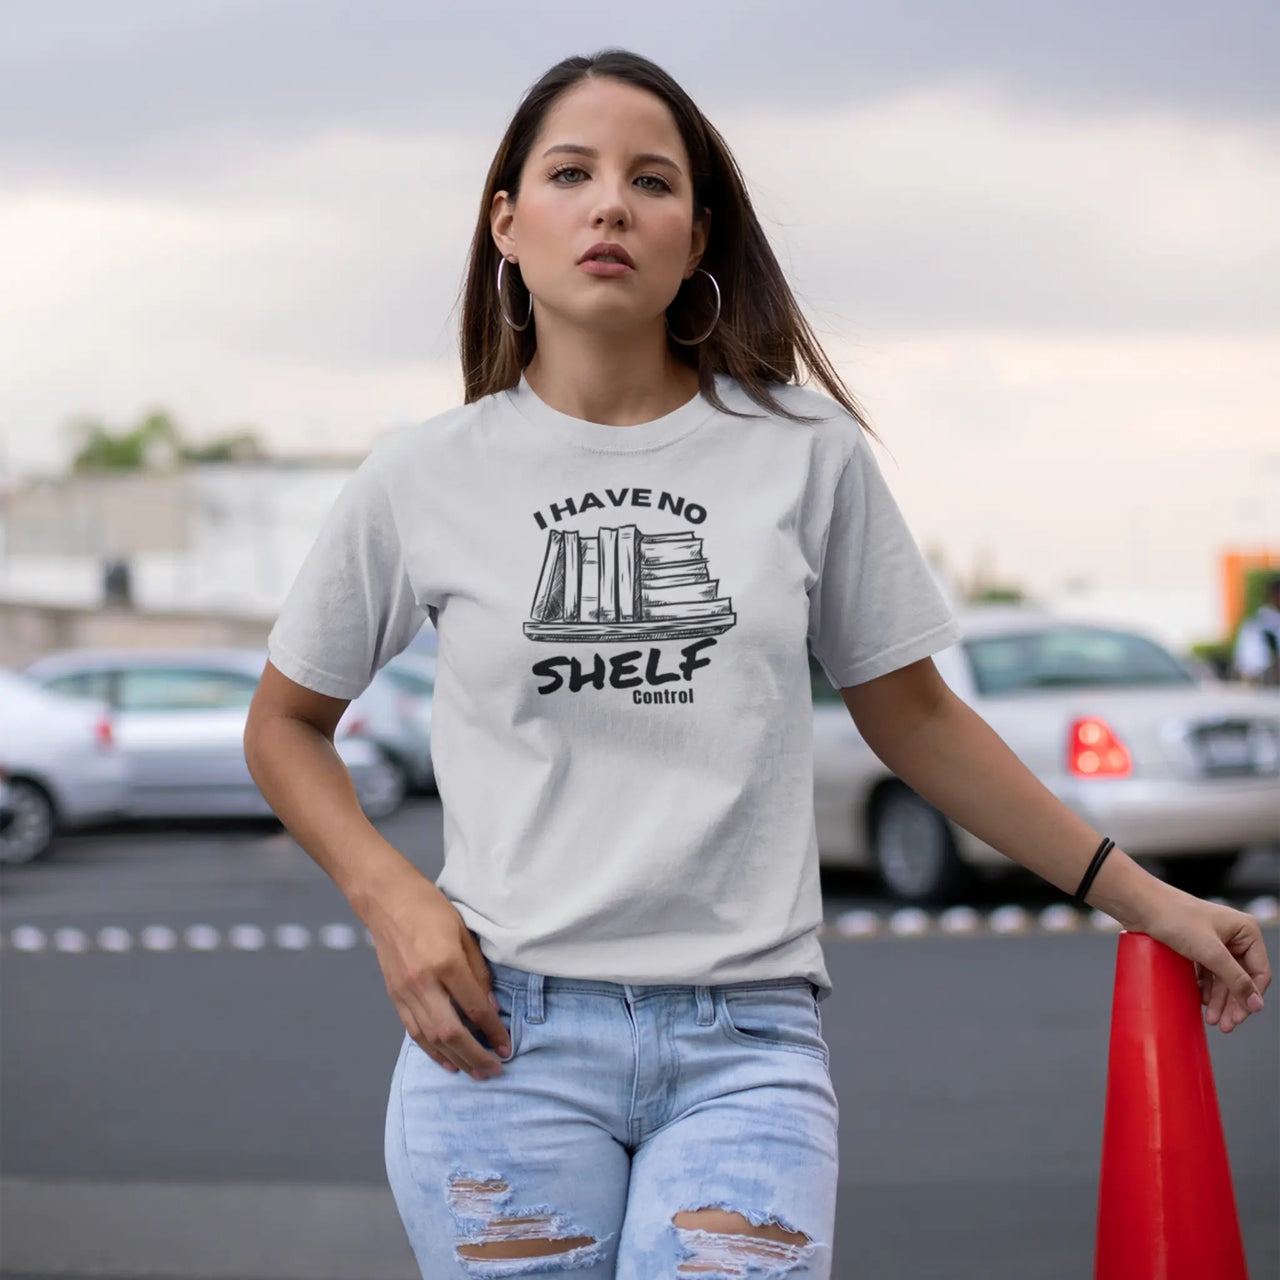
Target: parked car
x: 179, y: 718
x: 396, y: 714
x: 63, y: 768
x: 1140, y: 744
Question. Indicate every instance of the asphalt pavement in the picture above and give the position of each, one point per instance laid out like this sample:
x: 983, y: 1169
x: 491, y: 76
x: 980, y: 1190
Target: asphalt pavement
x: 197, y: 1046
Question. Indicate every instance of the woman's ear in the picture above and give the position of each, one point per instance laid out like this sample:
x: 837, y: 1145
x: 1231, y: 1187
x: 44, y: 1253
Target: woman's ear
x: 502, y: 212
x: 698, y: 241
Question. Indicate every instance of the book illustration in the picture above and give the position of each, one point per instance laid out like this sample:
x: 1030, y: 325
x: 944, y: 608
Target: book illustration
x: 621, y: 584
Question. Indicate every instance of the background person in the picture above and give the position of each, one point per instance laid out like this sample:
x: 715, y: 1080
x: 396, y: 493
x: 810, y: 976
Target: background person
x: 1257, y: 649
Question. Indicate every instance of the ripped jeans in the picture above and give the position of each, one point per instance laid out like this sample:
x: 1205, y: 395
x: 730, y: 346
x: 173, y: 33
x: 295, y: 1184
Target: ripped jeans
x: 635, y: 1133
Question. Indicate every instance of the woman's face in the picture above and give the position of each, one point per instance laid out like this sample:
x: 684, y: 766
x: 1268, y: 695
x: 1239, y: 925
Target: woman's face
x: 596, y: 172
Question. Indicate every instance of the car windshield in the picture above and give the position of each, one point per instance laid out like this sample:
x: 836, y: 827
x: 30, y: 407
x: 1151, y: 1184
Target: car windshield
x: 1069, y: 658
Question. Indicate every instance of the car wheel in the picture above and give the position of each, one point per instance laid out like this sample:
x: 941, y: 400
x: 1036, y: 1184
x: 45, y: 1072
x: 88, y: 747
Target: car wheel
x: 1202, y: 874
x: 384, y: 789
x: 915, y: 853
x: 30, y: 833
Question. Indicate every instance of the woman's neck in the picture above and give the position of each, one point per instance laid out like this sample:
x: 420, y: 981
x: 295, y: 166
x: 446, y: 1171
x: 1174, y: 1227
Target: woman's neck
x: 609, y: 394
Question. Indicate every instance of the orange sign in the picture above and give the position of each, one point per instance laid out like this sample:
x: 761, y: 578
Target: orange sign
x: 1234, y: 566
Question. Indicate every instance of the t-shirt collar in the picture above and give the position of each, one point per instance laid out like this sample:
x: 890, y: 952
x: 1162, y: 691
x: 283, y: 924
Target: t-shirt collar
x: 604, y: 436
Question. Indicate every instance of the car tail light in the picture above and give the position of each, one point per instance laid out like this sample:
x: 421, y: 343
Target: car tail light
x: 103, y: 734
x: 1094, y: 751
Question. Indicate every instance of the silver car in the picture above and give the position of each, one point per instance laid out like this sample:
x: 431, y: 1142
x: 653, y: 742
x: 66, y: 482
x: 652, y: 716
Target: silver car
x: 179, y: 717
x: 1139, y: 743
x: 395, y: 711
x: 64, y: 768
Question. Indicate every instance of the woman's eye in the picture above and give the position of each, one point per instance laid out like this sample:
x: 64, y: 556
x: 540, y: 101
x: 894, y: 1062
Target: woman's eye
x: 663, y: 184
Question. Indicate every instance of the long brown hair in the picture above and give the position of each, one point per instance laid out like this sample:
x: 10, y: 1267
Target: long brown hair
x: 761, y: 335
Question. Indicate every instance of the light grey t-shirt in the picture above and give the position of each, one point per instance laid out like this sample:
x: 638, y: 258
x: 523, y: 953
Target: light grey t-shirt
x: 622, y: 726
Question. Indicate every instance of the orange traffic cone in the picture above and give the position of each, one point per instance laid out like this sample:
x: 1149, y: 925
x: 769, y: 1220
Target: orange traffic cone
x: 1166, y: 1208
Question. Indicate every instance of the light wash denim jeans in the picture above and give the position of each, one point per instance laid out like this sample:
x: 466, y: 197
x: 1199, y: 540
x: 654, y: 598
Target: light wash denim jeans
x: 620, y: 1107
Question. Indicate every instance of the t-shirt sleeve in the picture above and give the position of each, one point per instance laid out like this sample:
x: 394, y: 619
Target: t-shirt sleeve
x: 351, y: 607
x: 876, y: 605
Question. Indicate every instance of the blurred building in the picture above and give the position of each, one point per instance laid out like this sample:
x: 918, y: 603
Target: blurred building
x: 223, y: 537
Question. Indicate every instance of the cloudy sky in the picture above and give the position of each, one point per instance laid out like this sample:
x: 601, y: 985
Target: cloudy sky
x: 1039, y: 241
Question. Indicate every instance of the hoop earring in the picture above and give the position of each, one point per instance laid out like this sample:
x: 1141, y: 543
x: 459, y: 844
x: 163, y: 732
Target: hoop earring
x: 502, y: 262
x: 693, y: 342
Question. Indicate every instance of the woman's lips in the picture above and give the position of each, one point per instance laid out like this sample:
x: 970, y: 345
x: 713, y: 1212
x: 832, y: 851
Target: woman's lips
x: 594, y: 267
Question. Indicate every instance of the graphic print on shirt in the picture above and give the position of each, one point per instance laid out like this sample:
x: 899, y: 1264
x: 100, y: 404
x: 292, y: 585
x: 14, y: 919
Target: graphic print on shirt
x: 621, y: 584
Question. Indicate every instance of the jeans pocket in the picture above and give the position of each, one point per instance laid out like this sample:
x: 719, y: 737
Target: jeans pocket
x: 779, y: 1017
x: 509, y: 1000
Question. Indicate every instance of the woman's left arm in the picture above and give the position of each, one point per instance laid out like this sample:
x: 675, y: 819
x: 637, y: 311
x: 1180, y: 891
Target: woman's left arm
x: 941, y: 748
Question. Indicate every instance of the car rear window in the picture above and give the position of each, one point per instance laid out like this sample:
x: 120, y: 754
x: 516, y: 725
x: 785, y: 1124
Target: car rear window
x: 1068, y: 658
x: 81, y: 684
x: 184, y: 689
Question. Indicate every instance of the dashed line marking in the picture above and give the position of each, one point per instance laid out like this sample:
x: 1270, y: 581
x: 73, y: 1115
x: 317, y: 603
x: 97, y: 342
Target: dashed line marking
x: 247, y: 937
x: 292, y: 937
x: 159, y: 937
x: 1010, y: 920
x: 859, y: 922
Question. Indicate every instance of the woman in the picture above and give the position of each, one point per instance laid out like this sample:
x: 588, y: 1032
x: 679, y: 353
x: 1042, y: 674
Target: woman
x: 626, y: 538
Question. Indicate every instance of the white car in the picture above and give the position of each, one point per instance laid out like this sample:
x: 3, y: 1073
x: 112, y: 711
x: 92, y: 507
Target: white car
x: 62, y: 765
x: 179, y: 717
x: 1140, y: 744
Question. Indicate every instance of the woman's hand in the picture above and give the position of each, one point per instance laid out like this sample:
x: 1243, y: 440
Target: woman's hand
x: 430, y: 960
x: 1230, y: 957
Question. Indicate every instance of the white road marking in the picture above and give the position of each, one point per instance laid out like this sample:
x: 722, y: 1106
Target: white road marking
x: 1061, y: 917
x: 1008, y: 919
x: 909, y: 920
x: 860, y: 922
x: 292, y: 937
x: 857, y: 924
x: 959, y: 920
x: 338, y: 937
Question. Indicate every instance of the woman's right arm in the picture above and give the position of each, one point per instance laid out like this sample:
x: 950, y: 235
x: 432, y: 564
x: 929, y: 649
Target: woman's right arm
x: 428, y: 956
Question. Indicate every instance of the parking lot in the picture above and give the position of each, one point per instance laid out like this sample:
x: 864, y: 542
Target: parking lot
x: 198, y: 1045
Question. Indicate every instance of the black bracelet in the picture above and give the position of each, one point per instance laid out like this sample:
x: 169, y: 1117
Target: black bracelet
x: 1103, y: 849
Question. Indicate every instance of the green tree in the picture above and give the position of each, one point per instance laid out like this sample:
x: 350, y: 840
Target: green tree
x: 155, y: 441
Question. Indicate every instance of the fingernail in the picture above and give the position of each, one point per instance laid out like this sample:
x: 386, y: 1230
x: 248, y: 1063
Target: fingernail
x: 493, y: 1000
x: 1254, y: 1003
x: 504, y: 1051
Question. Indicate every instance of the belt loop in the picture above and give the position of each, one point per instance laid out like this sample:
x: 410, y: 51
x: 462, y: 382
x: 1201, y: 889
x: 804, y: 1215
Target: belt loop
x: 535, y: 1011
x: 706, y: 1006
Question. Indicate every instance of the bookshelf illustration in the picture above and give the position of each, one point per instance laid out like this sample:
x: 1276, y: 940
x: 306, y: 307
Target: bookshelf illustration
x: 621, y: 584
